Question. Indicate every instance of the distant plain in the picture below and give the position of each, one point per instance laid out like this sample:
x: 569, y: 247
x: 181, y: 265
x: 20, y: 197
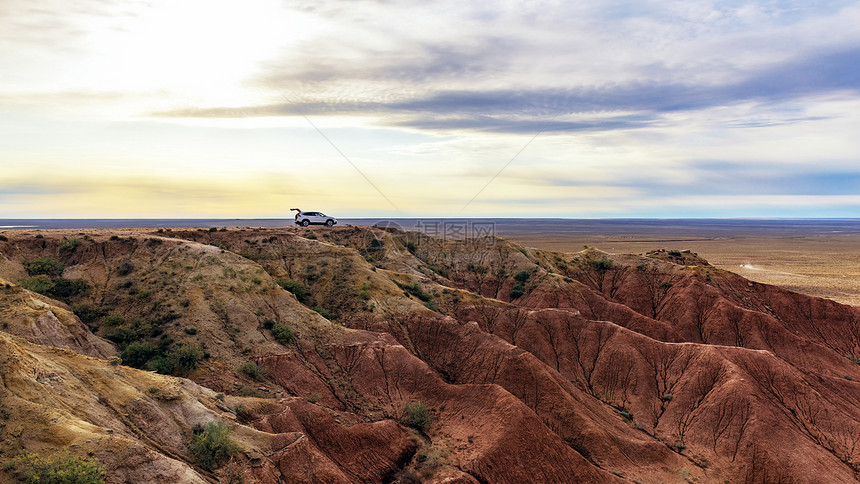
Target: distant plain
x: 820, y: 258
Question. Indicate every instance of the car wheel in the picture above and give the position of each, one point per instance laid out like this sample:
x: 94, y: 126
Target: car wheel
x: 305, y: 222
x: 329, y: 222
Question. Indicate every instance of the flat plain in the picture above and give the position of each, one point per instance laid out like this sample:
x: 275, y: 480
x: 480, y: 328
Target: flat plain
x: 815, y: 257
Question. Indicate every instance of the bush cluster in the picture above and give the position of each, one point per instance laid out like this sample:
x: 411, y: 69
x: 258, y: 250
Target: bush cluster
x: 70, y: 244
x: 44, y: 266
x: 212, y: 446
x: 600, y: 265
x: 301, y: 291
x: 57, y: 287
x: 61, y: 468
x: 163, y: 358
x: 283, y: 334
x: 253, y: 370
x: 416, y: 291
x: 416, y: 415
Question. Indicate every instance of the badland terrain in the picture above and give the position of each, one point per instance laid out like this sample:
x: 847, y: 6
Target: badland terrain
x: 363, y: 354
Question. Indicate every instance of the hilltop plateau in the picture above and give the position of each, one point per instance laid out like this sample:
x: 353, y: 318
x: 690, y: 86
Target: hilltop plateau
x: 363, y: 354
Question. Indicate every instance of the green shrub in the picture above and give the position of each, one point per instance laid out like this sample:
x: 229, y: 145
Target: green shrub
x: 122, y: 335
x: 162, y: 364
x: 40, y: 283
x: 114, y: 320
x: 323, y: 312
x: 3, y: 238
x: 57, y: 287
x: 416, y: 291
x: 70, y: 244
x: 60, y: 468
x: 87, y: 312
x: 301, y: 291
x: 44, y: 265
x: 212, y: 446
x: 187, y: 356
x: 517, y: 291
x: 125, y: 268
x: 416, y: 415
x: 283, y: 334
x: 253, y: 370
x: 601, y: 265
x: 522, y: 276
x: 139, y: 353
x: 411, y: 247
x: 68, y: 289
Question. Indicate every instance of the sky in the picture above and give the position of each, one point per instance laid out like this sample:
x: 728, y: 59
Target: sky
x: 363, y: 108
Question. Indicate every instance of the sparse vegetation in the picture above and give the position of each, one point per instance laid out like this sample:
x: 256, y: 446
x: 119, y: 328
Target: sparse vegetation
x: 415, y: 290
x: 411, y: 247
x: 57, y: 287
x: 69, y: 245
x: 253, y: 370
x: 301, y: 291
x: 600, y: 265
x: 87, y: 312
x: 125, y: 268
x: 139, y: 353
x: 323, y: 312
x: 283, y: 334
x: 416, y: 415
x: 212, y: 446
x: 517, y: 291
x: 44, y: 266
x: 522, y: 276
x: 60, y: 468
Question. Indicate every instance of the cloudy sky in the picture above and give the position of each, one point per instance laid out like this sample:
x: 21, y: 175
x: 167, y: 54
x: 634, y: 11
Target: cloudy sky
x: 202, y: 108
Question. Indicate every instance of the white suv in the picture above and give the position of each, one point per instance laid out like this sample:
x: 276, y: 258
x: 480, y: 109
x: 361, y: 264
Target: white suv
x: 317, y: 218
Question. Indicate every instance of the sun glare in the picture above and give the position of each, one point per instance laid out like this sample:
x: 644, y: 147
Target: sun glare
x: 197, y: 49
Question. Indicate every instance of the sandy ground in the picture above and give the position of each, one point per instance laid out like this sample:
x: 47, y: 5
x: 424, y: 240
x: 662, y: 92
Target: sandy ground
x: 819, y: 265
